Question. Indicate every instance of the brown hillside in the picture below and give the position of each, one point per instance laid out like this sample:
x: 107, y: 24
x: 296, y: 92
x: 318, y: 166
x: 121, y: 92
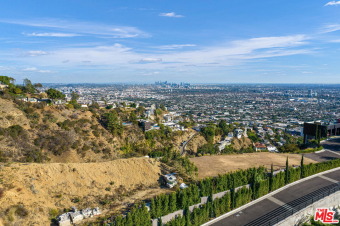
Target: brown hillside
x: 10, y: 115
x: 195, y: 143
x: 242, y: 143
x: 42, y: 188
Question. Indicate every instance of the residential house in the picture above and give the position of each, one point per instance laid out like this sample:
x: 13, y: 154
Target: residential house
x: 260, y: 147
x: 170, y: 180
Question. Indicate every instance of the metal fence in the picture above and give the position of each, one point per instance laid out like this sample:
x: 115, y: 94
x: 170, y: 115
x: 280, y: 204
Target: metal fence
x: 293, y: 207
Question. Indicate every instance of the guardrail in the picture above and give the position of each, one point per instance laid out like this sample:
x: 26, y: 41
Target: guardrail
x: 293, y: 207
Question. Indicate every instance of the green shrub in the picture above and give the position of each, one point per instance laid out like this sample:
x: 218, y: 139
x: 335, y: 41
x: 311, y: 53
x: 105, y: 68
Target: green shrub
x: 53, y: 213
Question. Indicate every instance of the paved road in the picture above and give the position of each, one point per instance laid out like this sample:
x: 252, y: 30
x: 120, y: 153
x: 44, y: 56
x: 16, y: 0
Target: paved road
x: 332, y: 144
x: 269, y: 208
x: 331, y: 151
x: 185, y: 144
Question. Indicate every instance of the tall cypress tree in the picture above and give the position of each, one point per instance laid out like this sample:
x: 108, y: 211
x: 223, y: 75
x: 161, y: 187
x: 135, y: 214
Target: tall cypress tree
x: 153, y: 208
x: 129, y: 221
x: 145, y: 215
x: 302, y: 168
x: 165, y: 203
x: 254, y: 184
x: 119, y: 221
x: 160, y: 223
x: 232, y: 192
x: 158, y: 211
x: 287, y: 172
x: 187, y: 215
x: 271, y: 177
x: 173, y: 202
x: 184, y: 199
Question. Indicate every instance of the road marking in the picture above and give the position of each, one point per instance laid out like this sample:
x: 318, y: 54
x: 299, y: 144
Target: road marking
x: 275, y: 200
x: 254, y: 202
x: 329, y: 179
x: 333, y: 152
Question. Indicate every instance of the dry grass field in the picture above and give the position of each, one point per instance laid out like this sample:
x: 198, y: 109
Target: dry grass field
x: 29, y: 192
x: 219, y: 164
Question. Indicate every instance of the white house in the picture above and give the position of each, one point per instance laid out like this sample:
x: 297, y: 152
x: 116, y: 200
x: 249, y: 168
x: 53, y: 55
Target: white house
x: 238, y: 133
x: 170, y: 180
x: 272, y: 148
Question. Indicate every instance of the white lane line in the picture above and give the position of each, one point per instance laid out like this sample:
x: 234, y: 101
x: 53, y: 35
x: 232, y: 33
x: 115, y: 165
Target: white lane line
x: 329, y: 179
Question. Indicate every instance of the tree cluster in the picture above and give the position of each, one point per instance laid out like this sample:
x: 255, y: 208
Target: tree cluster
x: 139, y: 215
x: 260, y: 182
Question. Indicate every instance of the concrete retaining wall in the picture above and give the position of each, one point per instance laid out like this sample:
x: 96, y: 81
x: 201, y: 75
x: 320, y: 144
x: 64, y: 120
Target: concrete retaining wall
x: 330, y: 201
x: 204, y: 200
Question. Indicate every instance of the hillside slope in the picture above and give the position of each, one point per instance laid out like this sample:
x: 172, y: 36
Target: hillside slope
x: 40, y: 189
x: 37, y: 132
x: 10, y: 115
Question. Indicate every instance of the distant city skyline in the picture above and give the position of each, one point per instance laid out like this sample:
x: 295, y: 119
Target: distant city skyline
x: 216, y: 42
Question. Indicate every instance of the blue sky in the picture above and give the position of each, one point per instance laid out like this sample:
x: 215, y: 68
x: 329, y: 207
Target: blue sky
x: 198, y: 41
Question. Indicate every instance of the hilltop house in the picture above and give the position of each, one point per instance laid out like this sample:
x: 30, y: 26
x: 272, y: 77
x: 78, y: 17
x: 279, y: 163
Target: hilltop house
x: 260, y: 147
x: 238, y: 133
x: 2, y: 86
x: 170, y: 180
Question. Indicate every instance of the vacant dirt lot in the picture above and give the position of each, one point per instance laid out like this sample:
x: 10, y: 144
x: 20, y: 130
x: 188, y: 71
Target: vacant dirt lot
x: 30, y: 192
x: 219, y: 164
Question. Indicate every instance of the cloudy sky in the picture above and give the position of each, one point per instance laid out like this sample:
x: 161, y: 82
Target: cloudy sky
x: 198, y: 41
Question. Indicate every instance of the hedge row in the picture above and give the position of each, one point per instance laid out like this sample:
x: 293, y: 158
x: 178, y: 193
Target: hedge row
x: 261, y: 181
x: 259, y: 188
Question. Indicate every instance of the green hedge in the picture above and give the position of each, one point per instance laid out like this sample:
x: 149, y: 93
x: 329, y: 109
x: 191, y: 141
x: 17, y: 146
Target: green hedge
x: 262, y: 182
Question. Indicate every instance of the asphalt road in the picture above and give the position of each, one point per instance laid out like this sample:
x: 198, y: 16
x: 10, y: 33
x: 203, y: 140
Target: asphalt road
x: 185, y: 144
x: 332, y: 144
x: 331, y: 151
x: 268, y: 209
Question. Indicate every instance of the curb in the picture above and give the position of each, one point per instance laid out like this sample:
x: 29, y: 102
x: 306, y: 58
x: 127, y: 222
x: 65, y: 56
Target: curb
x: 266, y: 196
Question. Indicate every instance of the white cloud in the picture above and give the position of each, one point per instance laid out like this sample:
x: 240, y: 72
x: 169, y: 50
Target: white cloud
x: 62, y: 35
x: 171, y: 14
x: 80, y: 28
x: 330, y: 28
x: 30, y: 69
x: 150, y: 60
x: 176, y: 46
x: 34, y: 69
x: 150, y: 73
x: 36, y: 53
x: 3, y: 68
x: 332, y: 3
x: 119, y: 58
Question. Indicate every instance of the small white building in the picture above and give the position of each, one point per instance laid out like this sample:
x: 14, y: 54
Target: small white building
x: 223, y: 144
x: 167, y: 118
x: 272, y: 148
x: 170, y: 180
x: 183, y: 186
x: 2, y: 86
x: 238, y: 133
x: 64, y: 219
